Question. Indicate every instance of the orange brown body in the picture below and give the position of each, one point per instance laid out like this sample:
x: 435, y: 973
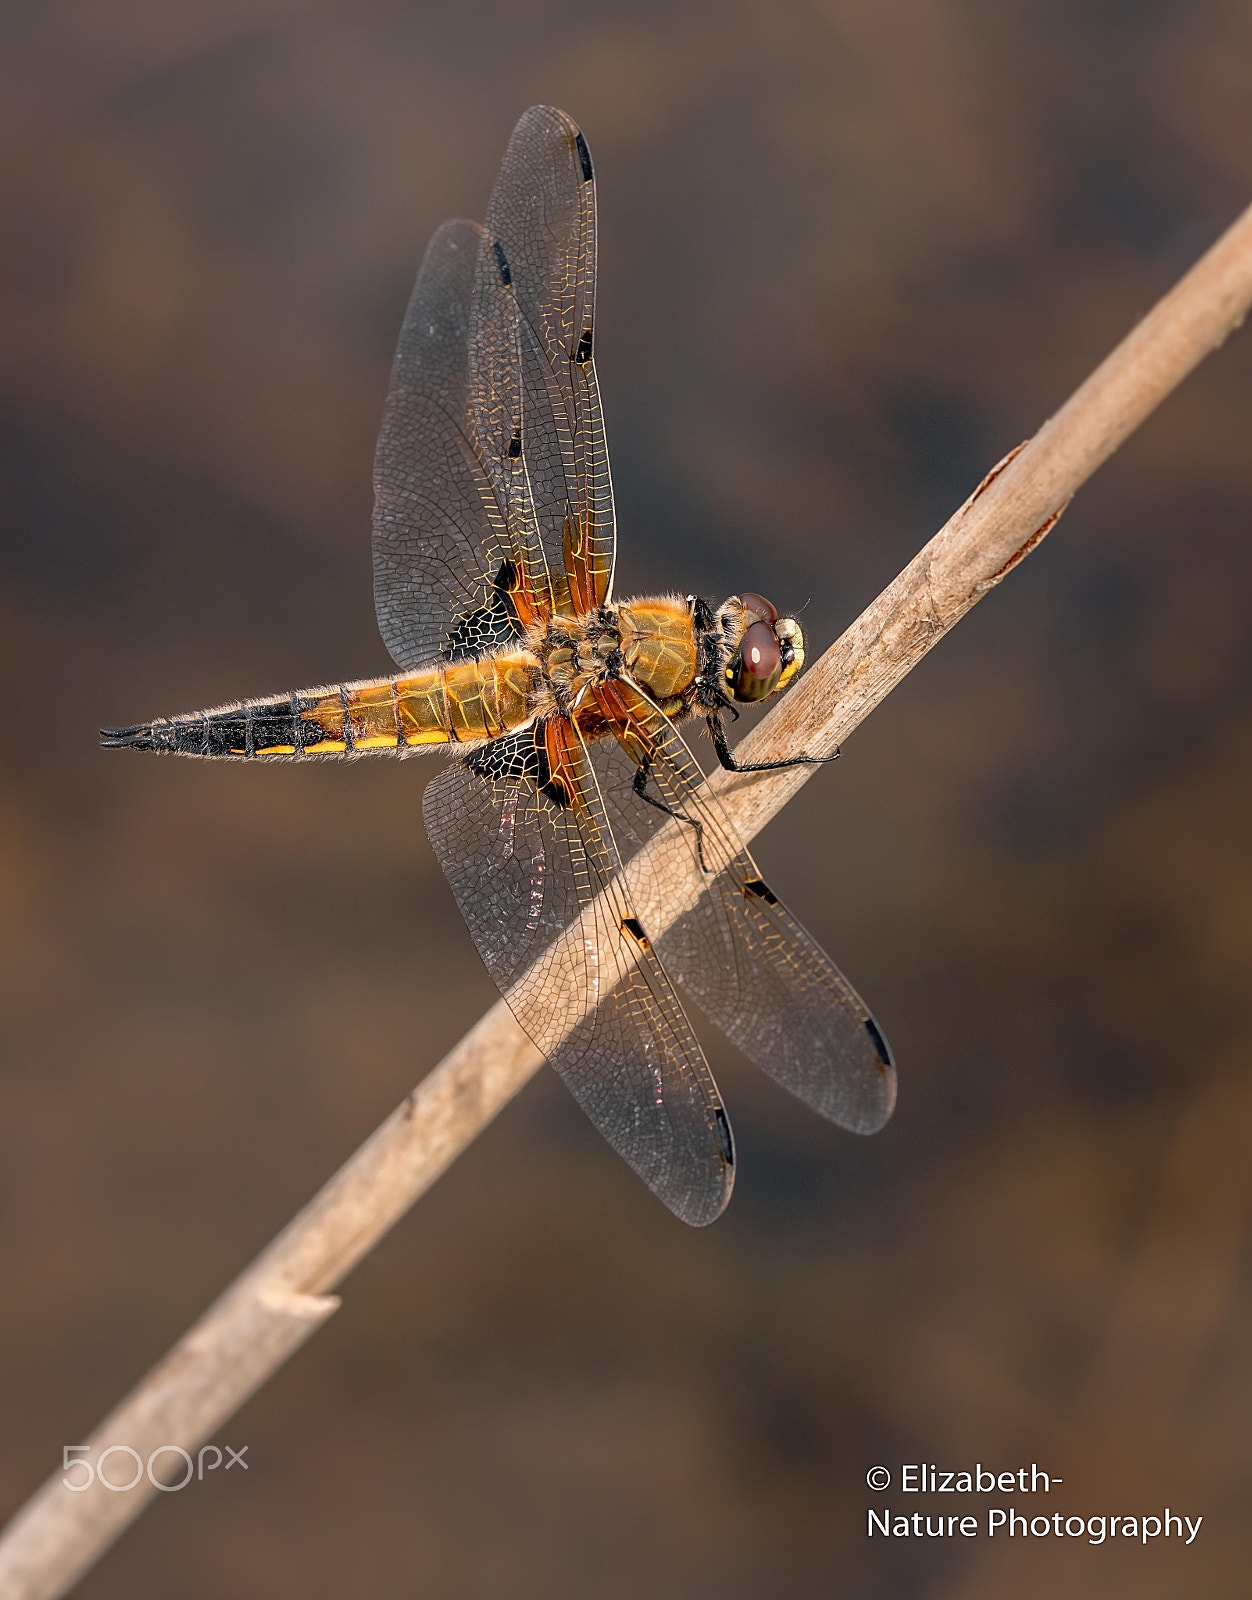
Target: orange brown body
x: 559, y: 668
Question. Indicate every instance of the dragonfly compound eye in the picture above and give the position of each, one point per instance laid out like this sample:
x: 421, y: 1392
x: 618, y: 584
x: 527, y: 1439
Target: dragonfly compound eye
x: 758, y: 666
x: 760, y: 608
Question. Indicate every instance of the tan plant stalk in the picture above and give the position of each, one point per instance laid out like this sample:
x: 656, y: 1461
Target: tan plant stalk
x: 270, y: 1310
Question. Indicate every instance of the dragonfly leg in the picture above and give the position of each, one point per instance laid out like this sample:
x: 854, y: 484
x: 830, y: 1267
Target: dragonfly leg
x: 718, y: 735
x: 641, y: 789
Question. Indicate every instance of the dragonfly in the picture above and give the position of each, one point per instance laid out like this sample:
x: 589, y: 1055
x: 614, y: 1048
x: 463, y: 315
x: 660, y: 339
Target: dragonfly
x: 494, y: 548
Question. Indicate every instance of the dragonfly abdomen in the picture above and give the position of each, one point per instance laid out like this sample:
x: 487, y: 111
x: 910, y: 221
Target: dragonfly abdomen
x: 465, y: 702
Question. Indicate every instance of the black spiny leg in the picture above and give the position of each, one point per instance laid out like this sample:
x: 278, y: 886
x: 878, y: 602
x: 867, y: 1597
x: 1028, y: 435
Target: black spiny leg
x: 718, y: 735
x: 641, y: 789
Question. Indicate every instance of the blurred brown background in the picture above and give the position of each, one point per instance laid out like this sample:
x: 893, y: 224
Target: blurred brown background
x: 852, y: 251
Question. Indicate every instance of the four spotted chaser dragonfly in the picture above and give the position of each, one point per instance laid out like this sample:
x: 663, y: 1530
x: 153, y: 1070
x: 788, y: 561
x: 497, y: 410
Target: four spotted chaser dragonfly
x: 494, y: 547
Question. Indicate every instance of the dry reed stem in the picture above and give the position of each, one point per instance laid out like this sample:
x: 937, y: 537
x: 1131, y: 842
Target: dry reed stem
x: 270, y: 1310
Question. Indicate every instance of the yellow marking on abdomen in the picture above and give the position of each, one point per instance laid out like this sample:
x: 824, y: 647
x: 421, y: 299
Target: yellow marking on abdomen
x: 466, y: 702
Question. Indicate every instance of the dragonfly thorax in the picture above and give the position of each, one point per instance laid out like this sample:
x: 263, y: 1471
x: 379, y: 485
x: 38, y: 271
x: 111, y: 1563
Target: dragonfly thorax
x: 689, y: 656
x: 574, y: 652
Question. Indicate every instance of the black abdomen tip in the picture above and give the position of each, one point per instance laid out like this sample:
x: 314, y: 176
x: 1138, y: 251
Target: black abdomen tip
x: 181, y: 738
x: 140, y: 737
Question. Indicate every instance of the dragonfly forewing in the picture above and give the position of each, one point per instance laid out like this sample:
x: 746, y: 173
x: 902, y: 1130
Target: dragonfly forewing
x: 441, y: 535
x: 542, y: 222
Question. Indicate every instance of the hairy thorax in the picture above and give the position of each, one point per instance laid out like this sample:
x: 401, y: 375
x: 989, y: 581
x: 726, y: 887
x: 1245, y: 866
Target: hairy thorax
x: 651, y: 641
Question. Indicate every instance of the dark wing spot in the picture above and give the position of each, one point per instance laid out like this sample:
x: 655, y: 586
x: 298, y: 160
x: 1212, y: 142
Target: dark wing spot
x: 880, y: 1044
x: 502, y: 261
x: 583, y: 353
x: 510, y: 757
x: 555, y: 790
x: 634, y: 928
x: 520, y: 755
x: 762, y: 891
x: 584, y: 156
x: 515, y: 444
x: 724, y: 1136
x: 488, y: 626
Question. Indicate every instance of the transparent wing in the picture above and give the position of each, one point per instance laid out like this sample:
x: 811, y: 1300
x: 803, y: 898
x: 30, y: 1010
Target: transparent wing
x: 493, y: 501
x: 541, y: 231
x: 523, y: 839
x: 739, y: 953
x: 450, y: 555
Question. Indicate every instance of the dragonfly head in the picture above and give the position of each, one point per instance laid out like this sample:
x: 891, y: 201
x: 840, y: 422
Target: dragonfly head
x: 768, y: 649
